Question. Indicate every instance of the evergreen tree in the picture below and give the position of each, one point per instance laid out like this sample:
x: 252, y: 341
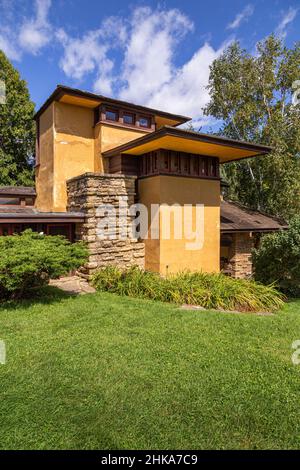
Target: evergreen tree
x: 17, y: 128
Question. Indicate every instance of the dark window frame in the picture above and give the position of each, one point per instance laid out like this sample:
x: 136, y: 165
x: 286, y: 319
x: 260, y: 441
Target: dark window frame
x: 100, y: 116
x: 128, y: 113
x: 114, y: 111
x: 148, y: 121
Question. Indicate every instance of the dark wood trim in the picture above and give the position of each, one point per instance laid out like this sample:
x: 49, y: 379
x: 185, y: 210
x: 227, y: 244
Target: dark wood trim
x: 145, y: 130
x: 190, y: 135
x: 67, y: 225
x: 212, y: 178
x: 101, y: 117
x: 165, y: 162
x: 62, y: 90
x: 256, y: 230
x: 29, y: 219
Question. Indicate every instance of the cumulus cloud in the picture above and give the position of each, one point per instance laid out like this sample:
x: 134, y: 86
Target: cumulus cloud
x: 242, y: 16
x: 147, y: 72
x: 35, y: 32
x: 147, y: 65
x: 186, y: 93
x: 90, y: 53
x: 287, y: 18
x: 7, y: 44
x: 135, y: 58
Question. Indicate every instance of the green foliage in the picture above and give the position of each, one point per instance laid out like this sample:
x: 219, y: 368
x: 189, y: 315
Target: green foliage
x: 17, y: 129
x: 29, y: 260
x: 207, y: 290
x: 252, y: 94
x: 278, y: 259
x: 100, y: 371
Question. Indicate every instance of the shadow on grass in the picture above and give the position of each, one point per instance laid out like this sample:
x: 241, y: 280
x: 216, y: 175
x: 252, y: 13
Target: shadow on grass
x: 45, y: 295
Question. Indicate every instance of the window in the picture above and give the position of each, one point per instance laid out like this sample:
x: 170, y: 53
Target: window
x: 29, y: 201
x: 62, y: 229
x: 111, y: 115
x: 128, y: 118
x: 9, y: 201
x: 144, y: 121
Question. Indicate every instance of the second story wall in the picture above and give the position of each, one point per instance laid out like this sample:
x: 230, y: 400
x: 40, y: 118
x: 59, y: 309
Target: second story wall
x: 108, y: 136
x: 69, y: 145
x: 45, y: 160
x: 73, y: 147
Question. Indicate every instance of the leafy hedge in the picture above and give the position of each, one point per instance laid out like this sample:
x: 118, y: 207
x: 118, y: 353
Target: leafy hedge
x: 277, y: 260
x: 29, y: 260
x: 215, y: 291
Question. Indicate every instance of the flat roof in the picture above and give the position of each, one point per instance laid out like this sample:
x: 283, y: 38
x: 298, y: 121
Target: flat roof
x: 182, y: 140
x: 93, y: 100
x: 17, y: 190
x: 31, y: 215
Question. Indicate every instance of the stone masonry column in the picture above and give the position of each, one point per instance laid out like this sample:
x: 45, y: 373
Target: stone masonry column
x: 89, y: 192
x: 240, y: 255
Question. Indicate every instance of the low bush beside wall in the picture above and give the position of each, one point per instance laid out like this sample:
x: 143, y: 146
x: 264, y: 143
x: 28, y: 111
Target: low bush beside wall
x: 211, y: 291
x: 29, y: 260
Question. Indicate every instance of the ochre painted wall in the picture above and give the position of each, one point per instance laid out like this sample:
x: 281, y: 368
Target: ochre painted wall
x: 73, y: 148
x: 108, y: 136
x: 44, y: 171
x: 173, y: 255
x: 71, y: 145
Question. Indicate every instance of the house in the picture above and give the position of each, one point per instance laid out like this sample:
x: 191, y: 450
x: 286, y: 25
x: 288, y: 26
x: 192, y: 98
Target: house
x: 93, y: 152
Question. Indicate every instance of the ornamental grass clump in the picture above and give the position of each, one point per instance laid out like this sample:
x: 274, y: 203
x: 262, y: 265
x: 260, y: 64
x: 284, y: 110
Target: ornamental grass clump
x: 208, y: 290
x: 30, y: 259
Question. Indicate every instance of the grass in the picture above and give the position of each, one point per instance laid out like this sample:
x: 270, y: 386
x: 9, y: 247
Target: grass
x: 209, y: 290
x: 101, y: 371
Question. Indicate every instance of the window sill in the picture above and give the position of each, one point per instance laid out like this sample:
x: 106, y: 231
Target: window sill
x: 125, y: 126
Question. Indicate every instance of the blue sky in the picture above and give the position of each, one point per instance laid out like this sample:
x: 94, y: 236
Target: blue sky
x: 152, y: 53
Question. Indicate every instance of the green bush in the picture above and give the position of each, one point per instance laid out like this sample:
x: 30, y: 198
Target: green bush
x: 277, y: 260
x: 215, y: 291
x: 29, y: 260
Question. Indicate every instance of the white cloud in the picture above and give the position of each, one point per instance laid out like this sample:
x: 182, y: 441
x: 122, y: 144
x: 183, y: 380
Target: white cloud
x: 89, y: 53
x: 147, y: 74
x: 7, y: 44
x: 151, y: 46
x: 240, y: 17
x: 145, y: 68
x: 287, y: 18
x: 81, y: 55
x: 186, y: 93
x: 35, y: 33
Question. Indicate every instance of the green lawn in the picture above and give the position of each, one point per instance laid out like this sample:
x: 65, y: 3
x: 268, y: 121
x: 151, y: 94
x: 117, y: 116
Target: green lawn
x: 100, y: 371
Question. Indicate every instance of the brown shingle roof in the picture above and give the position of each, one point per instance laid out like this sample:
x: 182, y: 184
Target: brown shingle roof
x: 235, y: 218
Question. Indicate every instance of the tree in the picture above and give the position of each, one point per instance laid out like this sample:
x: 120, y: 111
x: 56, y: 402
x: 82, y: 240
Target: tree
x: 277, y: 260
x: 252, y: 94
x: 17, y: 128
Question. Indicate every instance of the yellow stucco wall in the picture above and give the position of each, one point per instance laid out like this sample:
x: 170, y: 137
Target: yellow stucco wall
x: 173, y: 255
x: 44, y: 171
x: 71, y: 145
x: 108, y: 136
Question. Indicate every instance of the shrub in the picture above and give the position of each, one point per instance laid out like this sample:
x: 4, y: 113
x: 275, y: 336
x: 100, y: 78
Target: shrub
x: 29, y: 260
x: 215, y: 291
x: 277, y: 260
